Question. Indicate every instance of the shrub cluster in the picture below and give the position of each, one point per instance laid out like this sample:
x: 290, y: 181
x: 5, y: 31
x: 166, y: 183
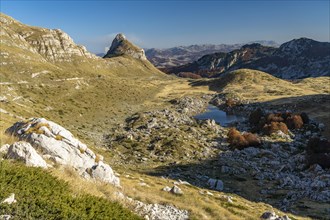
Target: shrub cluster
x: 241, y: 141
x: 189, y: 75
x: 231, y: 102
x: 274, y: 122
x: 39, y: 195
x: 318, y: 152
x: 273, y: 127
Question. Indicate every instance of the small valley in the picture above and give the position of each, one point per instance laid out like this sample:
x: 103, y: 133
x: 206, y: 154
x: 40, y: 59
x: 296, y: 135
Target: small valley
x: 117, y: 138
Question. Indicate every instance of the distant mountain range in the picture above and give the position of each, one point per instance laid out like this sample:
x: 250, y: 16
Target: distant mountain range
x: 176, y: 56
x: 299, y: 58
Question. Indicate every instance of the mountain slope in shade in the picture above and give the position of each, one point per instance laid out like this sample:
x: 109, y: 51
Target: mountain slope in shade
x: 299, y: 58
x: 212, y: 64
x: 176, y: 56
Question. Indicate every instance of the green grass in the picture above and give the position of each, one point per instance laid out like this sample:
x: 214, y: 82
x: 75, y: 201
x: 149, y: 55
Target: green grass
x: 40, y: 195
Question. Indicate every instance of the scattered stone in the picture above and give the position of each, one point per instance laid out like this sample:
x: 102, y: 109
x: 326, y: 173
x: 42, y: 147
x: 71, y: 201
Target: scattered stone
x: 167, y: 189
x: 176, y: 190
x: 269, y: 215
x: 11, y: 199
x: 160, y: 212
x: 321, y: 126
x: 215, y: 184
x: 184, y: 182
x: 104, y: 173
x: 144, y: 184
x: 5, y: 217
x: 4, y: 149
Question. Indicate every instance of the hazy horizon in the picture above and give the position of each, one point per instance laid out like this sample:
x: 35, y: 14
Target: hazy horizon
x: 165, y: 24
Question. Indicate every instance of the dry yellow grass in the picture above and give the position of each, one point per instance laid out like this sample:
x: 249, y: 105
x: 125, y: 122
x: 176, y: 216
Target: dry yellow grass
x: 200, y: 206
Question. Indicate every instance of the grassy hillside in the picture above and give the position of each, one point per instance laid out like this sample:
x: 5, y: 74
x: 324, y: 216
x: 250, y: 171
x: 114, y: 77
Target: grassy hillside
x: 256, y: 85
x: 91, y: 96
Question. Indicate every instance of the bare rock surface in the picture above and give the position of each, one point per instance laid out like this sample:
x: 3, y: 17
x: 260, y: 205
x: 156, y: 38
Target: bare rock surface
x: 121, y: 46
x: 58, y: 145
x: 10, y: 200
x: 23, y: 151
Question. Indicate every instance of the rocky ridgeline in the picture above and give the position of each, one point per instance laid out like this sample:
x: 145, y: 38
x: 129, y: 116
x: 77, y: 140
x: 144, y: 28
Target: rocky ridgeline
x: 44, y: 144
x: 46, y: 44
x: 55, y: 45
x: 166, y: 135
x: 296, y: 59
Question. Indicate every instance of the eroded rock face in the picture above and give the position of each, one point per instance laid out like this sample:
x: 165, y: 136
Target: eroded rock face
x: 23, y: 151
x: 58, y: 145
x: 43, y: 44
x: 55, y: 45
x: 121, y: 46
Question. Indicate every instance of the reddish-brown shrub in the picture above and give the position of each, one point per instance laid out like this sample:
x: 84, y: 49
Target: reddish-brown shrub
x: 256, y: 116
x: 274, y: 127
x: 294, y: 122
x: 189, y: 75
x: 231, y: 102
x: 318, y: 152
x: 285, y: 115
x: 274, y: 117
x: 239, y: 141
x: 252, y: 139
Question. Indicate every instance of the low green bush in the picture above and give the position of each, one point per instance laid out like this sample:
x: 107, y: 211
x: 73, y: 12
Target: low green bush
x: 40, y: 195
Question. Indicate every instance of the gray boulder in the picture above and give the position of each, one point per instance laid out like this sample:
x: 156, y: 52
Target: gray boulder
x: 10, y: 200
x: 4, y: 149
x: 5, y: 217
x: 176, y: 190
x: 23, y: 151
x: 104, y: 173
x: 215, y: 184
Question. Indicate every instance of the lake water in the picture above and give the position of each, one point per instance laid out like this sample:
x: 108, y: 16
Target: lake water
x: 219, y: 116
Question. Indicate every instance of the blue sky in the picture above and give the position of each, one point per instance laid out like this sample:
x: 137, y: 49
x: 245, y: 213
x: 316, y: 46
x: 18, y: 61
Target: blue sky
x: 171, y: 23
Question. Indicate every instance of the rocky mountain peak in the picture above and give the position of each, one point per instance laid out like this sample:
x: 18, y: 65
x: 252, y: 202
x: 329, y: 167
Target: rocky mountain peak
x: 120, y: 37
x: 53, y: 45
x: 296, y: 47
x: 121, y: 46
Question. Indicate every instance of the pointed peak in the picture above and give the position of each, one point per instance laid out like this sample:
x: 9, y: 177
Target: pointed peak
x: 120, y: 37
x: 121, y: 46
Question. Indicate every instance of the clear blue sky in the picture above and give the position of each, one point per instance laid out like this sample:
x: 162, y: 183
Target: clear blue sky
x: 171, y: 23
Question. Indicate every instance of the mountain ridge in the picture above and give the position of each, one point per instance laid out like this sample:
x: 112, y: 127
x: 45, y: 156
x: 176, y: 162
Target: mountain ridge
x: 180, y: 55
x: 298, y: 58
x: 121, y: 46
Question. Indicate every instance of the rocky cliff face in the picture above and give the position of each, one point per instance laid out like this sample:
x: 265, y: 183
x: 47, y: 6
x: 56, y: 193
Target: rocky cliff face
x: 299, y: 58
x: 121, y: 46
x: 55, y: 45
x: 44, y: 44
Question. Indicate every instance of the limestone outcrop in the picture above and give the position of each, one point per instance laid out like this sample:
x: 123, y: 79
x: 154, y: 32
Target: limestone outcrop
x: 121, y: 46
x: 23, y: 151
x: 59, y: 146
